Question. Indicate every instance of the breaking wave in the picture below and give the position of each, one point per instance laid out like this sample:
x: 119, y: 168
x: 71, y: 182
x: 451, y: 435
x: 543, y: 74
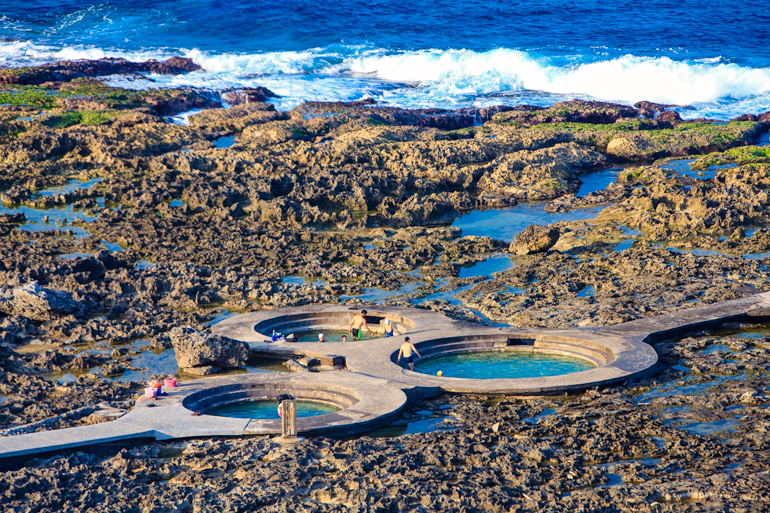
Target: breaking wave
x: 449, y: 78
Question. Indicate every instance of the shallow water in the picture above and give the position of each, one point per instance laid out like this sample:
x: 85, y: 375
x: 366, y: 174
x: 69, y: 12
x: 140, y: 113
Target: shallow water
x: 113, y: 247
x: 598, y: 181
x: 682, y: 387
x: 301, y: 280
x: 72, y: 186
x: 499, y: 364
x: 224, y: 142
x: 163, y: 363
x: 710, y: 428
x: 487, y: 267
x: 183, y: 118
x: 449, y: 296
x: 263, y: 365
x: 717, y: 348
x: 505, y: 223
x: 378, y: 295
x: 681, y: 166
x: 268, y: 409
x: 221, y: 316
x: 417, y: 426
x: 445, y: 295
x: 684, y: 168
x: 144, y: 265
x: 546, y: 413
x: 75, y: 256
x: 424, y: 421
x: 59, y: 217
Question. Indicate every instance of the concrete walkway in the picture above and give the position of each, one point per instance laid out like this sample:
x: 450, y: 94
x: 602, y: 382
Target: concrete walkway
x: 172, y: 416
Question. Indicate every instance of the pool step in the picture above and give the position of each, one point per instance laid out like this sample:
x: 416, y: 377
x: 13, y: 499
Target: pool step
x: 487, y: 343
x: 453, y: 347
x: 245, y: 394
x: 601, y: 357
x: 576, y: 354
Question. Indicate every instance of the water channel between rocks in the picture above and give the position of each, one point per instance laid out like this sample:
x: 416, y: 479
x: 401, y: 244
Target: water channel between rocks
x: 59, y: 217
x: 502, y: 224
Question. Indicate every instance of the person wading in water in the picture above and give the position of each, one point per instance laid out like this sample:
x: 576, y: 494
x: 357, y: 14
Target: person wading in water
x: 358, y: 324
x: 408, y: 351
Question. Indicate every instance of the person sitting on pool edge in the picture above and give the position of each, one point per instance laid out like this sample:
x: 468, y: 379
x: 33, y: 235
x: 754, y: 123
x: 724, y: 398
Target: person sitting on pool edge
x: 393, y: 330
x: 407, y: 348
x: 359, y: 322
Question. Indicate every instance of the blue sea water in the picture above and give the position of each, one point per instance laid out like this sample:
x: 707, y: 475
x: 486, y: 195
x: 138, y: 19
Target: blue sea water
x: 711, y: 55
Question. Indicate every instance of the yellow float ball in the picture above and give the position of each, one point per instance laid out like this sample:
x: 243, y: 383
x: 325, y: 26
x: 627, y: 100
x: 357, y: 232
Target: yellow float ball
x: 439, y: 373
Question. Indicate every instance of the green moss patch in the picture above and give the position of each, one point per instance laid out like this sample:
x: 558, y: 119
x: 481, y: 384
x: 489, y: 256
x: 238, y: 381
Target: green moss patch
x: 79, y: 117
x: 741, y: 156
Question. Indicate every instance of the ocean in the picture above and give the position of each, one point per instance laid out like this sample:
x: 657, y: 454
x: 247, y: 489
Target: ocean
x: 711, y: 56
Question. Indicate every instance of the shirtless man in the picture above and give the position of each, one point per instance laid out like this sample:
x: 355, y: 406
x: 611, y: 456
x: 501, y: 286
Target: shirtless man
x: 407, y: 348
x: 357, y: 324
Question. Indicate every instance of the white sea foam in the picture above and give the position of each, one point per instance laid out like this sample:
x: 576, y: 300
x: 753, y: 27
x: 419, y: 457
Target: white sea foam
x: 448, y: 78
x: 23, y: 53
x: 626, y: 78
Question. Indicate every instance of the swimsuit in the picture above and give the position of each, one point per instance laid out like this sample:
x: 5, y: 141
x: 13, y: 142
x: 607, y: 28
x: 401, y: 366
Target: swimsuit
x: 356, y: 333
x: 409, y: 359
x: 388, y: 334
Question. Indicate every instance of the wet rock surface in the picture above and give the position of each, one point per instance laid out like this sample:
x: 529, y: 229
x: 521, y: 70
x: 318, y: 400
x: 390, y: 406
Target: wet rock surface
x: 65, y: 71
x: 135, y: 220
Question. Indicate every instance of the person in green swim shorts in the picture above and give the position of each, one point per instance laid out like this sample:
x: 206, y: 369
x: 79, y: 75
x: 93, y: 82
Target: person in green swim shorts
x: 358, y: 324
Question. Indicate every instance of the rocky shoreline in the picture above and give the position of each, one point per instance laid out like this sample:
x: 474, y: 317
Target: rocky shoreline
x: 241, y: 207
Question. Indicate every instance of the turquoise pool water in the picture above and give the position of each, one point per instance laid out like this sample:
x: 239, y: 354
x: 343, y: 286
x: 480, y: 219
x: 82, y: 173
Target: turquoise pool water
x: 267, y: 409
x: 497, y: 364
x: 330, y: 335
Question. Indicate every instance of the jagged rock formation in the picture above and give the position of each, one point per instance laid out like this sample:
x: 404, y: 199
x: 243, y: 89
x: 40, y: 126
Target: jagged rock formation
x: 202, y: 353
x: 35, y: 302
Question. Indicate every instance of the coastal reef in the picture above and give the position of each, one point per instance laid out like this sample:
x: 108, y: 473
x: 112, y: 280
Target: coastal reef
x: 130, y: 220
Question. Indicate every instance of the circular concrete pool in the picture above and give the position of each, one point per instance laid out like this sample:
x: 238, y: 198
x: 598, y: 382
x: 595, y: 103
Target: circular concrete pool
x: 333, y: 324
x: 266, y: 409
x: 502, y: 365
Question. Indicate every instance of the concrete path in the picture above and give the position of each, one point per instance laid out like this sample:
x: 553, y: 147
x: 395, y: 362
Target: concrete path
x: 374, y: 403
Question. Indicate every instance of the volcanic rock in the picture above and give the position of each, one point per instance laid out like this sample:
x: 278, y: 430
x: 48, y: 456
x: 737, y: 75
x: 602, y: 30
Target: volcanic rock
x: 196, y: 349
x: 574, y: 111
x: 248, y: 95
x: 669, y: 116
x: 535, y: 239
x: 65, y: 71
x: 15, y: 195
x: 37, y: 303
x: 650, y: 109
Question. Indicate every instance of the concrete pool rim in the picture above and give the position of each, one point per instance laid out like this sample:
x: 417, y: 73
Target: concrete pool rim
x: 616, y: 358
